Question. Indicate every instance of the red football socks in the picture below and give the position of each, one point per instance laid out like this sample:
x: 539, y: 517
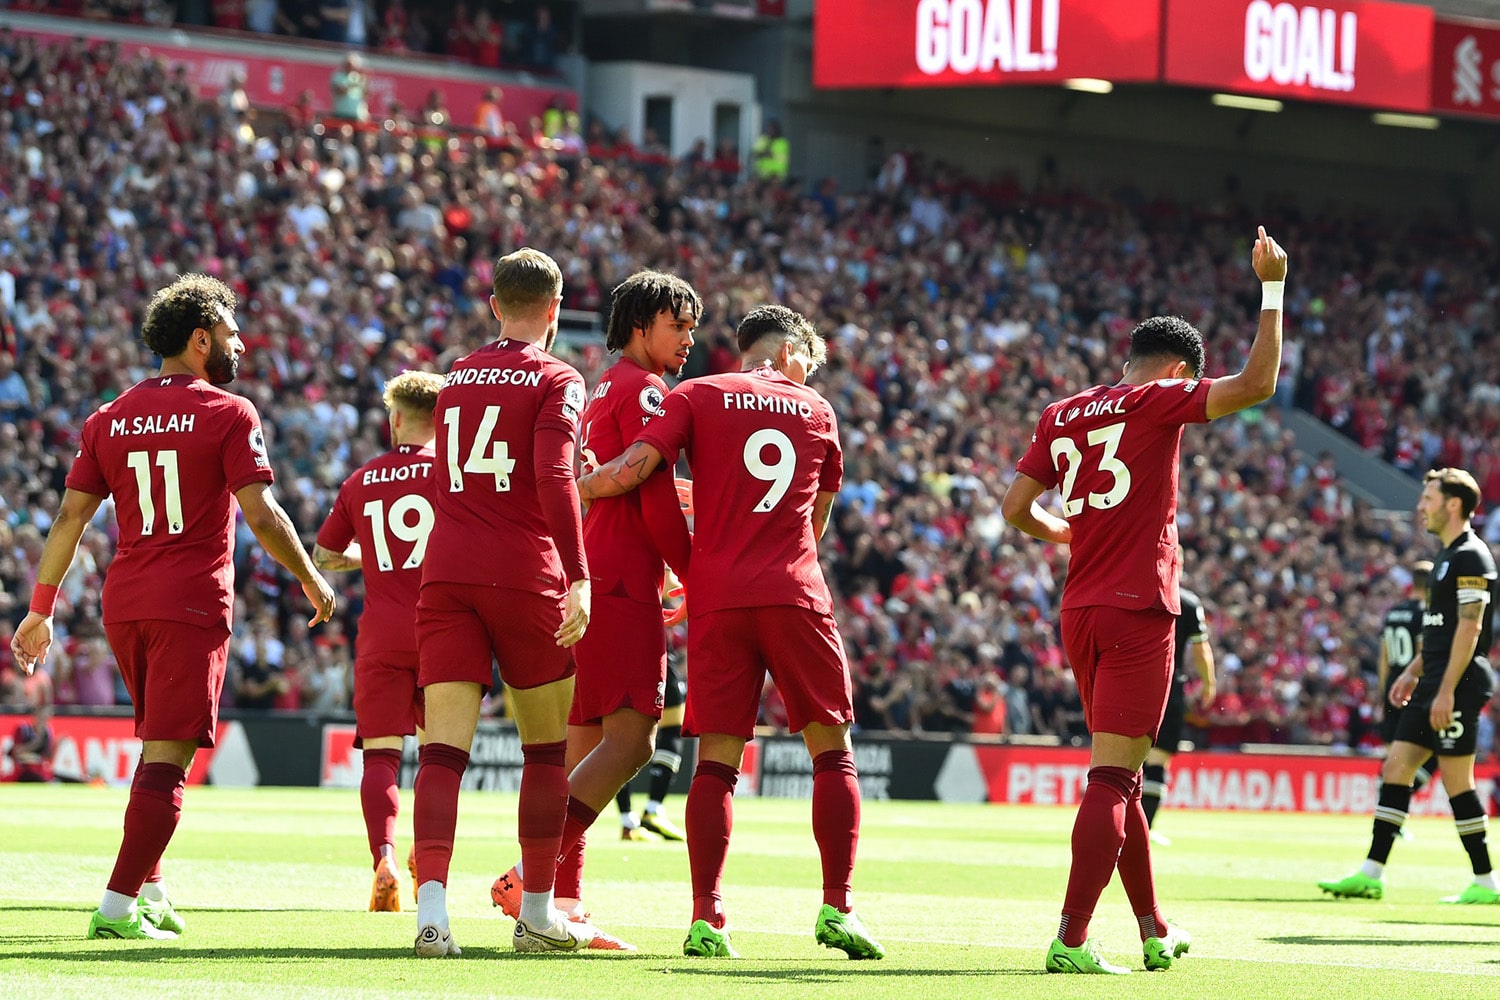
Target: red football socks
x: 543, y: 811
x: 580, y: 816
x: 150, y: 820
x: 710, y: 818
x: 435, y: 815
x: 835, y: 823
x: 568, y: 882
x: 1098, y: 835
x: 380, y: 799
x: 1135, y: 868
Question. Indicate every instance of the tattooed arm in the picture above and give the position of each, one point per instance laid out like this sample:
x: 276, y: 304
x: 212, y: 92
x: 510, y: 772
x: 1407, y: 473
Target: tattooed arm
x: 822, y: 508
x: 620, y: 475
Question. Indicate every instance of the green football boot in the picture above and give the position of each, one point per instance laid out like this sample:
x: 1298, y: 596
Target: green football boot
x: 1084, y: 959
x: 1474, y: 893
x: 1160, y: 951
x: 845, y: 932
x: 132, y: 928
x: 704, y: 940
x: 160, y: 914
x: 1356, y: 886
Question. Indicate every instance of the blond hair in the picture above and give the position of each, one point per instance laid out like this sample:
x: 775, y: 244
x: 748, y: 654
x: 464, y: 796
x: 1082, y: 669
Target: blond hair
x: 415, y: 393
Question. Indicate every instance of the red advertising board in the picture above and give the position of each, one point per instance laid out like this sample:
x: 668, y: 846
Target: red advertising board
x: 1360, y: 52
x: 277, y: 75
x: 1466, y: 67
x: 947, y: 43
x: 99, y: 749
x: 1270, y: 783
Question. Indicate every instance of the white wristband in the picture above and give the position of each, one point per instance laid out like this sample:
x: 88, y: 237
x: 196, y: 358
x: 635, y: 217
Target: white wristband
x: 1270, y: 295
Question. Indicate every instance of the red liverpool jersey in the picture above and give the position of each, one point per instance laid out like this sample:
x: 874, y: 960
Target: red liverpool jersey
x: 172, y: 450
x: 490, y: 529
x: 623, y: 561
x: 761, y: 448
x: 1112, y: 453
x: 386, y: 504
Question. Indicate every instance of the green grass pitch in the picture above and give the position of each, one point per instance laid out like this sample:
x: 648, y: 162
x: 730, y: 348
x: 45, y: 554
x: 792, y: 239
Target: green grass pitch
x: 273, y: 884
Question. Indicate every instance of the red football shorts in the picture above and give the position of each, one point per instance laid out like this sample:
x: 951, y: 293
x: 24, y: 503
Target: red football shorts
x: 387, y: 701
x: 174, y: 673
x: 622, y: 661
x: 462, y: 630
x: 730, y: 652
x: 1123, y: 662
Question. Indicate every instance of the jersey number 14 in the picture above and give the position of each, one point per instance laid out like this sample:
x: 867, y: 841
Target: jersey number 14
x: 487, y: 457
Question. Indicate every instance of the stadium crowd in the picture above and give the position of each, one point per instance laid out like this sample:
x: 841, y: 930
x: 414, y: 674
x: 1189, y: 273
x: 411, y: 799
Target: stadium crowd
x: 524, y: 35
x: 955, y: 307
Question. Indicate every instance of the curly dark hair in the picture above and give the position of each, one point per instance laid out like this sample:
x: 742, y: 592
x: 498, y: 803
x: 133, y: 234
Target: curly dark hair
x: 187, y: 304
x: 784, y: 324
x: 638, y: 299
x: 1168, y: 337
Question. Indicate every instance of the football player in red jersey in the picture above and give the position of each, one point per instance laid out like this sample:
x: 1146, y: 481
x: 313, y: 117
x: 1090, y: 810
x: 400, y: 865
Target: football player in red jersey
x: 765, y: 447
x: 622, y: 659
x: 379, y: 525
x: 504, y: 580
x: 176, y: 452
x: 1112, y: 453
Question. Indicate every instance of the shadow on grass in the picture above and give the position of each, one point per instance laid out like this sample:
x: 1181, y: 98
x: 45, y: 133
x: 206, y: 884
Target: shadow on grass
x: 769, y: 971
x: 1293, y: 900
x: 1323, y: 941
x: 186, y: 911
x: 835, y: 972
x: 123, y: 951
x: 1467, y: 924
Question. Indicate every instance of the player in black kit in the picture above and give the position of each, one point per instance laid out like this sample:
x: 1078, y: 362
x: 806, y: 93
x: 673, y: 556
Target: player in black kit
x: 1400, y: 638
x: 1192, y: 642
x: 1444, y: 689
x: 665, y: 760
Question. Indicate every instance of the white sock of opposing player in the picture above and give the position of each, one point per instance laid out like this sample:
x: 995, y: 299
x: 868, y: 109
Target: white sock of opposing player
x: 116, y: 905
x: 653, y: 806
x: 628, y: 821
x: 154, y: 891
x: 536, y: 908
x: 432, y: 905
x: 1374, y: 869
x: 1488, y: 880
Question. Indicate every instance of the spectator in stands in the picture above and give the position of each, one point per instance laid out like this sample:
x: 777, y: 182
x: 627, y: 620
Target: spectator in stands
x: 15, y: 394
x: 258, y: 660
x: 348, y: 85
x: 488, y: 40
x: 771, y: 156
x: 542, y: 41
x: 488, y: 119
x: 33, y: 745
x: 260, y: 16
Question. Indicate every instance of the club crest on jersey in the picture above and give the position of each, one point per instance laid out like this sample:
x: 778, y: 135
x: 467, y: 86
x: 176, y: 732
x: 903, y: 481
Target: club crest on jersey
x: 651, y: 400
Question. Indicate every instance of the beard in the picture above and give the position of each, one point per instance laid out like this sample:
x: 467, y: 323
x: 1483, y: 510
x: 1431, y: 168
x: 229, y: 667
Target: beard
x: 221, y: 367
